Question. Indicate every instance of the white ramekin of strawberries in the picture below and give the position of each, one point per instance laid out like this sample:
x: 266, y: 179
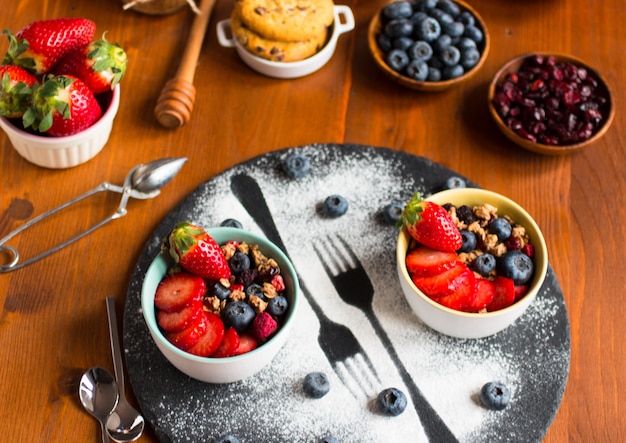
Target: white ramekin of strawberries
x: 470, y: 261
x: 60, y: 91
x: 219, y: 303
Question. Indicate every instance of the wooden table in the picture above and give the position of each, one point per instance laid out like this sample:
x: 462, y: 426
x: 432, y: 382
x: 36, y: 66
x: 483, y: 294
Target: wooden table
x: 53, y: 320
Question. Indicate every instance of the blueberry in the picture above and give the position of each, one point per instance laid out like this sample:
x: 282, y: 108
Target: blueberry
x: 449, y: 7
x: 335, y: 206
x: 391, y: 401
x: 465, y: 43
x: 455, y: 182
x: 392, y: 212
x: 239, y: 262
x: 420, y: 51
x: 434, y: 74
x: 517, y: 266
x: 469, y: 58
x: 472, y: 32
x: 467, y: 18
x: 500, y: 227
x: 417, y: 17
x: 398, y: 28
x: 450, y: 56
x: 227, y: 438
x: 450, y: 72
x: 417, y: 70
x: 328, y: 439
x: 495, y: 395
x: 484, y: 264
x: 402, y: 43
x: 428, y: 30
x: 239, y: 315
x: 316, y: 384
x: 469, y: 241
x: 454, y: 29
x: 435, y: 62
x: 232, y: 223
x: 397, y: 59
x: 441, y: 16
x: 385, y: 43
x: 398, y: 9
x: 220, y: 291
x: 296, y: 166
x: 442, y: 42
x: 424, y: 5
x: 255, y: 289
x: 277, y: 306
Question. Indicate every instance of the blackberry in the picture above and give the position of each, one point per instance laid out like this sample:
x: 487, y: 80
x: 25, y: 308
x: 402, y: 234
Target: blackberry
x: 391, y: 401
x: 296, y: 166
x: 465, y: 214
x: 495, y: 395
x: 335, y: 206
x: 417, y: 70
x: 232, y: 223
x: 246, y: 277
x: 316, y: 384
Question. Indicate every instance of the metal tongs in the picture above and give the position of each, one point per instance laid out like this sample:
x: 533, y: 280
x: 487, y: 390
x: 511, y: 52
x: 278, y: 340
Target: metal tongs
x: 144, y: 181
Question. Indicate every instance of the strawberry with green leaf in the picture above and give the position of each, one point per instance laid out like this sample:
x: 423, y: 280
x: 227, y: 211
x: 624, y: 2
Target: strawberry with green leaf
x: 196, y: 251
x: 100, y: 64
x: 62, y: 106
x: 39, y: 46
x: 16, y: 88
x: 430, y: 224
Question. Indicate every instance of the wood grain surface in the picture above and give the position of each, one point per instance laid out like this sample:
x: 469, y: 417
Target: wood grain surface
x: 53, y: 323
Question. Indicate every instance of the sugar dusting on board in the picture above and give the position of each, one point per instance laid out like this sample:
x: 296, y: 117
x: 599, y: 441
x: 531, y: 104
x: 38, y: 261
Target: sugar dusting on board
x: 271, y: 406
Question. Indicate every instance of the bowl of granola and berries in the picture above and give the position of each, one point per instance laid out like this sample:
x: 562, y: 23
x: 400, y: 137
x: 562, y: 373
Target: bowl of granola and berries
x: 470, y: 261
x: 219, y: 303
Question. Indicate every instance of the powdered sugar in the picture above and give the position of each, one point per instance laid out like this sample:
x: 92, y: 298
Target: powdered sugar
x: 271, y: 406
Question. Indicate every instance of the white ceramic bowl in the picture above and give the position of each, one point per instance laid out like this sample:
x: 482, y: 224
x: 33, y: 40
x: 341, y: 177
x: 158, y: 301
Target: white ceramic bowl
x: 229, y: 369
x: 343, y: 22
x: 473, y: 325
x: 64, y: 152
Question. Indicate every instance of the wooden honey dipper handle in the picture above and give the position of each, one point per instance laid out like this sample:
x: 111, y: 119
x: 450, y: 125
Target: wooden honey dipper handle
x: 174, y: 106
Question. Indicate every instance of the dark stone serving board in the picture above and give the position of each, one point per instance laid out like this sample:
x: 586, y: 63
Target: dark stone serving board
x: 531, y: 356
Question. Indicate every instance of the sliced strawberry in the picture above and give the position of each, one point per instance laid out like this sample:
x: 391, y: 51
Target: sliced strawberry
x: 247, y: 343
x: 461, y: 291
x: 178, y: 291
x: 437, y: 285
x: 504, y: 294
x: 520, y: 291
x: 229, y: 345
x: 179, y: 320
x: 188, y: 337
x: 197, y: 252
x: 430, y: 224
x: 423, y: 261
x: 485, y: 292
x: 212, y: 337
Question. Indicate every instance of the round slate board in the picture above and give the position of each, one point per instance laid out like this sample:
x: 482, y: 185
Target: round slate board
x: 531, y: 356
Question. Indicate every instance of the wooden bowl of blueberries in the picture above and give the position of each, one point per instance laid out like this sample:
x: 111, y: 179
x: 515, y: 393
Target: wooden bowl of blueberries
x: 428, y: 45
x: 550, y: 103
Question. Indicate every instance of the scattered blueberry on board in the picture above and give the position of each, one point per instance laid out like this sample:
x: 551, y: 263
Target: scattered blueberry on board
x: 335, y: 206
x: 296, y: 165
x: 392, y: 213
x: 391, y: 401
x: 316, y: 384
x: 228, y: 438
x: 495, y: 395
x: 328, y: 439
x: 429, y: 40
x: 455, y: 182
x: 232, y: 223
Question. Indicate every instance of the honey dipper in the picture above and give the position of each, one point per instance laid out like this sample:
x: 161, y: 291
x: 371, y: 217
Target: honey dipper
x: 174, y: 106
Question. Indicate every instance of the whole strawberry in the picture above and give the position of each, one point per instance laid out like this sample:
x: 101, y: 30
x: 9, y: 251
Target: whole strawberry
x: 196, y: 251
x: 100, y: 64
x: 16, y: 88
x: 430, y: 224
x: 40, y: 45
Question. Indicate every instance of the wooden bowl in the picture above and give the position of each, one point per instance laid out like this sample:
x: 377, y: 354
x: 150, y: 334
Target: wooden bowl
x: 428, y: 86
x: 608, y: 109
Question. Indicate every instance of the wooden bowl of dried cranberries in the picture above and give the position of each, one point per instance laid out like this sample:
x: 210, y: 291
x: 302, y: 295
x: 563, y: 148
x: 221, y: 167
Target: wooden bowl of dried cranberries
x: 550, y: 103
x: 428, y: 45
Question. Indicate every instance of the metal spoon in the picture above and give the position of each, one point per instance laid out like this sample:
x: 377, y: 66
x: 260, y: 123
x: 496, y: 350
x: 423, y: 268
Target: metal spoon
x: 142, y: 182
x: 99, y: 395
x: 125, y: 423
